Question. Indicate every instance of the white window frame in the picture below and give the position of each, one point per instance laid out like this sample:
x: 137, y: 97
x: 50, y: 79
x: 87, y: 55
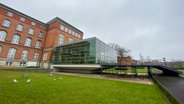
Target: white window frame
x: 70, y: 40
x: 45, y: 55
x: 66, y: 29
x: 61, y: 39
x: 10, y: 14
x: 79, y: 36
x: 6, y: 23
x: 33, y: 23
x: 38, y: 44
x: 2, y: 35
x: 22, y: 19
x: 35, y: 57
x: 70, y: 31
x: 40, y: 34
x: 73, y: 33
x: 62, y: 27
x: 31, y: 31
x: 24, y: 55
x: 16, y: 39
x: 28, y: 42
x: 19, y: 27
x: 11, y: 53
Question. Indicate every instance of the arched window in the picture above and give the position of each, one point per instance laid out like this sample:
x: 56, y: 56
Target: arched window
x: 24, y: 55
x: 61, y: 39
x: 35, y: 57
x: 2, y: 35
x: 6, y: 23
x: 28, y: 42
x: 31, y: 31
x: 38, y: 44
x: 19, y: 27
x: 16, y: 39
x: 11, y: 53
x: 1, y: 48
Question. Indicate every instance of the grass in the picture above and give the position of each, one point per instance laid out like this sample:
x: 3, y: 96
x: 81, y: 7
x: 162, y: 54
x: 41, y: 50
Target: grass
x: 129, y: 70
x: 73, y: 90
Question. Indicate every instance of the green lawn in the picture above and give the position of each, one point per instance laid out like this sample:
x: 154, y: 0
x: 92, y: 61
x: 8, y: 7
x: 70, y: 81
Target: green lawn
x: 43, y: 89
x: 129, y: 70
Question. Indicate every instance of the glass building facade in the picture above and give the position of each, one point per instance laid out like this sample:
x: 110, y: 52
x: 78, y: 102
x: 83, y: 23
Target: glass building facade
x: 87, y: 51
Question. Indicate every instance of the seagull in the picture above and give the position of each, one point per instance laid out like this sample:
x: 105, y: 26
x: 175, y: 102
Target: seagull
x: 15, y: 81
x: 54, y: 79
x: 60, y: 78
x: 28, y: 80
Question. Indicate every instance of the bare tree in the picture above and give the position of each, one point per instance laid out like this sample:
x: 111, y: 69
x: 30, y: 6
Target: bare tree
x: 122, y: 52
x: 141, y: 58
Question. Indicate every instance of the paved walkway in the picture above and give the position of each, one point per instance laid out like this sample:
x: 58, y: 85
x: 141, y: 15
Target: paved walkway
x: 139, y: 79
x: 175, y: 85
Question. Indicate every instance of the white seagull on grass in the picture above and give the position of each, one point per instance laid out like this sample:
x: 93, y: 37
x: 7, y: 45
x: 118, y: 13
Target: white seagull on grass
x: 60, y: 78
x: 15, y: 81
x: 28, y: 80
x: 54, y: 79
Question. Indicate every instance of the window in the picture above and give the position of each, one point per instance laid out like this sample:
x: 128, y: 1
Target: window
x: 70, y: 31
x: 28, y: 42
x: 16, y: 39
x: 70, y: 40
x: 31, y: 31
x: 42, y: 27
x: 10, y: 14
x: 33, y: 23
x: 66, y: 29
x: 40, y: 34
x: 1, y: 48
x: 2, y: 35
x: 19, y: 27
x: 76, y: 34
x: 73, y: 33
x: 61, y: 39
x: 45, y: 56
x: 24, y: 55
x: 35, y: 57
x: 22, y: 19
x: 11, y: 53
x: 6, y: 23
x: 62, y: 27
x: 79, y: 36
x: 38, y: 44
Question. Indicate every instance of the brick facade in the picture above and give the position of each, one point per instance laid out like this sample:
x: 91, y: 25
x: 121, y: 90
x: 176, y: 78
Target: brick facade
x: 45, y: 33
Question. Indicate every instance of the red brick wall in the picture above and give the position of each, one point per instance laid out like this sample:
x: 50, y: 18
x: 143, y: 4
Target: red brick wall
x: 48, y: 41
x: 15, y: 20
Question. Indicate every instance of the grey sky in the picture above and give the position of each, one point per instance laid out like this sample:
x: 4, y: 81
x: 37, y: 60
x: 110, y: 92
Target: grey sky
x: 154, y: 28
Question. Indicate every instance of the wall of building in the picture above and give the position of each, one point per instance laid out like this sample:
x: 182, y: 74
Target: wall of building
x: 49, y: 39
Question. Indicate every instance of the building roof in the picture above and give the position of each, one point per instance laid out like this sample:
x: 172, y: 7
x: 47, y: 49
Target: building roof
x: 22, y: 14
x: 63, y: 22
x: 87, y: 39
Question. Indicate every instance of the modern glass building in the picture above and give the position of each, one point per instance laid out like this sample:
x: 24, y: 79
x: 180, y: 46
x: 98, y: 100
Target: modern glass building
x: 87, y: 51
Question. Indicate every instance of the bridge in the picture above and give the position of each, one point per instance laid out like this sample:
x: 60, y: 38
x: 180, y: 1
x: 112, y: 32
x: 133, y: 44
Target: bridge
x: 166, y: 71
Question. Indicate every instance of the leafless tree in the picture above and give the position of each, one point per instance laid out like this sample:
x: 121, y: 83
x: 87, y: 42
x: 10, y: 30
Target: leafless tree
x: 141, y: 58
x: 122, y: 52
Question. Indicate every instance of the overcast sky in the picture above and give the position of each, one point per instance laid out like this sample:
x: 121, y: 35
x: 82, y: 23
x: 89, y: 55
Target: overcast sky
x: 154, y: 28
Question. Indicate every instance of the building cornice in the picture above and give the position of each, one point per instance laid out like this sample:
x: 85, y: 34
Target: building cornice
x: 22, y: 14
x: 65, y: 23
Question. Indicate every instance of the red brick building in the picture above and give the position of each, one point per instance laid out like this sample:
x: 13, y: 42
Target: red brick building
x: 124, y: 60
x: 24, y: 39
